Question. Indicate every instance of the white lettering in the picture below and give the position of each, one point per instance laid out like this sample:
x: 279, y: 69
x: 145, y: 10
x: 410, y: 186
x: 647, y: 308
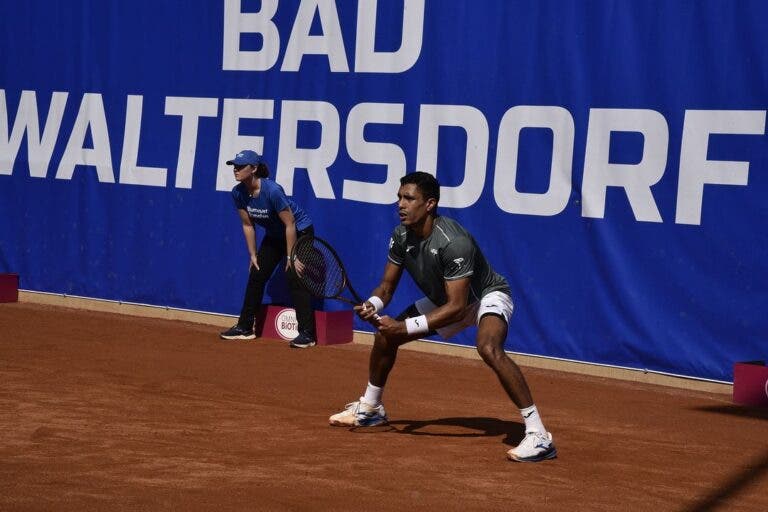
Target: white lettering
x: 130, y: 172
x: 315, y: 160
x: 237, y: 23
x: 696, y: 170
x: 384, y: 163
x: 91, y: 114
x: 331, y: 43
x: 636, y: 179
x: 365, y: 152
x: 555, y: 199
x: 367, y: 59
x: 431, y: 118
x: 190, y: 110
x: 39, y: 149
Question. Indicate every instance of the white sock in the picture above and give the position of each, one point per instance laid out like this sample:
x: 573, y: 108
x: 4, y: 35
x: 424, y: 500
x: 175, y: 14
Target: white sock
x: 532, y: 419
x: 372, y: 395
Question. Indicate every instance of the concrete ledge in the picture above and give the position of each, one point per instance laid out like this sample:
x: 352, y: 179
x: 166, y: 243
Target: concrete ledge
x: 363, y: 338
x: 126, y: 308
x: 581, y: 368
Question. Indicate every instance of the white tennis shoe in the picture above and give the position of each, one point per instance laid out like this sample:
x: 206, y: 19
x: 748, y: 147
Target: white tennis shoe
x: 360, y: 414
x: 535, y: 447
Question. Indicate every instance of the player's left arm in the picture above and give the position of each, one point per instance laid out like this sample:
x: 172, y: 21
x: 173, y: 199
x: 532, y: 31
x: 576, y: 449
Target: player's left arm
x: 457, y: 293
x: 458, y: 261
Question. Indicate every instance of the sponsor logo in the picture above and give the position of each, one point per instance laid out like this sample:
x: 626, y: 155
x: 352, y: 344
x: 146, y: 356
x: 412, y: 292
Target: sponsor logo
x: 408, y: 248
x: 433, y: 251
x: 257, y: 213
x: 458, y: 261
x: 527, y: 415
x: 286, y: 325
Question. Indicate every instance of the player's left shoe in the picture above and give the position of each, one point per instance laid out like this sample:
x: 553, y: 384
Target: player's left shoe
x: 535, y: 447
x: 303, y: 340
x: 360, y: 414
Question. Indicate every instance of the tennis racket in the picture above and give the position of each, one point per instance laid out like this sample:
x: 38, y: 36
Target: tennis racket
x: 323, y: 273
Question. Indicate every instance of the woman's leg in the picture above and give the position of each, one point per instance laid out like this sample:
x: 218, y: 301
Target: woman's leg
x: 270, y: 253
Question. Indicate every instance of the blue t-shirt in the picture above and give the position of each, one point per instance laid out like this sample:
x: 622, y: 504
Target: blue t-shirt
x: 264, y: 208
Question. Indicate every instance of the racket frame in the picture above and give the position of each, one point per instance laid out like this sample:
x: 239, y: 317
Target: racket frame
x: 345, y: 277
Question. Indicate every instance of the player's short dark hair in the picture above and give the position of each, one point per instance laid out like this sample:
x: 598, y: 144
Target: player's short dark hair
x: 425, y: 182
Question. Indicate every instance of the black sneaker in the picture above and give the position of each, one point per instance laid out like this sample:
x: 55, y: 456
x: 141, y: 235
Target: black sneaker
x: 238, y: 333
x: 303, y: 340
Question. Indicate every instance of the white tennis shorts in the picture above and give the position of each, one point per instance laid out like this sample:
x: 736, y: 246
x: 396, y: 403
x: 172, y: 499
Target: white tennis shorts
x: 498, y: 303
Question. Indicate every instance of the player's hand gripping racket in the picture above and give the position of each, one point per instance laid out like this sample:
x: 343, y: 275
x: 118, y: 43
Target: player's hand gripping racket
x: 322, y: 272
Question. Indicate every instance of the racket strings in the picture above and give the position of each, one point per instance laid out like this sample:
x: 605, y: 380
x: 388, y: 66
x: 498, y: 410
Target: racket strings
x: 322, y: 273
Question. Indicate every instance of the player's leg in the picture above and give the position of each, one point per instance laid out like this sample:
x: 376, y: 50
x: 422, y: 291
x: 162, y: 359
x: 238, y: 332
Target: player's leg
x: 491, y: 333
x: 384, y: 351
x: 494, y: 313
x: 368, y: 410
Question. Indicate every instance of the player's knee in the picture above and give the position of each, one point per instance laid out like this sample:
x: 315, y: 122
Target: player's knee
x: 387, y: 343
x: 489, y: 352
x: 382, y: 342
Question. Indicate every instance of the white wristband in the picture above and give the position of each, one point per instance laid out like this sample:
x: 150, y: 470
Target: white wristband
x: 376, y: 302
x: 417, y: 325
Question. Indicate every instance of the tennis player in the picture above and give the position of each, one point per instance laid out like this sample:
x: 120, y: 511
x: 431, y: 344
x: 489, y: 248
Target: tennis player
x: 461, y: 289
x: 261, y: 201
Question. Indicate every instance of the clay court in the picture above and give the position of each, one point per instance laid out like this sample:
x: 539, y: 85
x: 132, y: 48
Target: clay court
x: 101, y: 411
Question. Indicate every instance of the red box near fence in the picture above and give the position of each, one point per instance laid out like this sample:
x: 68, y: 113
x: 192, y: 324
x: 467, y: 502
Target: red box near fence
x: 279, y: 322
x: 9, y: 287
x: 750, y: 383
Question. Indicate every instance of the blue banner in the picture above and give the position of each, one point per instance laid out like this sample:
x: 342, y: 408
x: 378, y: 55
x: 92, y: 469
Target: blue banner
x: 609, y: 156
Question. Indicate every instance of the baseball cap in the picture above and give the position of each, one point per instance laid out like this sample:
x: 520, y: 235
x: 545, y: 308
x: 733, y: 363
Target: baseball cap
x: 245, y: 157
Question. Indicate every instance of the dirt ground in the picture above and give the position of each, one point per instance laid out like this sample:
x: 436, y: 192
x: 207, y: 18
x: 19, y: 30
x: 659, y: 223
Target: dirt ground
x: 109, y: 412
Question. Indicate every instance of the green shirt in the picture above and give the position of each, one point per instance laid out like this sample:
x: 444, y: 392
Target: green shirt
x: 449, y: 253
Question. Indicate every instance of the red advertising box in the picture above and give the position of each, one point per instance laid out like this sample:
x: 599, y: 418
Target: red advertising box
x: 750, y: 383
x: 9, y: 287
x: 279, y: 322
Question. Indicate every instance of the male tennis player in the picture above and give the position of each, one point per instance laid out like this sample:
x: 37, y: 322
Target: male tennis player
x: 461, y: 288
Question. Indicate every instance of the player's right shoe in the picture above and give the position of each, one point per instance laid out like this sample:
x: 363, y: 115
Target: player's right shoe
x: 535, y: 447
x: 359, y: 414
x: 238, y: 333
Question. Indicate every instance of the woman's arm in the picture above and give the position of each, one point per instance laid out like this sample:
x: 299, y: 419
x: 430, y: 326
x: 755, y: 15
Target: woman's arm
x: 290, y: 232
x: 250, y: 237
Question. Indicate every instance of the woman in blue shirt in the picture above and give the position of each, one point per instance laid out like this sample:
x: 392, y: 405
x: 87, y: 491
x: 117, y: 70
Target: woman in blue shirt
x: 261, y: 201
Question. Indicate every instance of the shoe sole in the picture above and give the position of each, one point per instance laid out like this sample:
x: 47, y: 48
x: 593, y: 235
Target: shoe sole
x: 377, y: 423
x: 295, y: 345
x: 238, y: 337
x: 545, y: 456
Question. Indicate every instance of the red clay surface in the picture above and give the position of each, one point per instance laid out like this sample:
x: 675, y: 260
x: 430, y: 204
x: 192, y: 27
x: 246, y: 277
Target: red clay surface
x: 109, y: 412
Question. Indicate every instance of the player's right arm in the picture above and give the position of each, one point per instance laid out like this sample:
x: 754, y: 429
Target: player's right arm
x: 250, y: 237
